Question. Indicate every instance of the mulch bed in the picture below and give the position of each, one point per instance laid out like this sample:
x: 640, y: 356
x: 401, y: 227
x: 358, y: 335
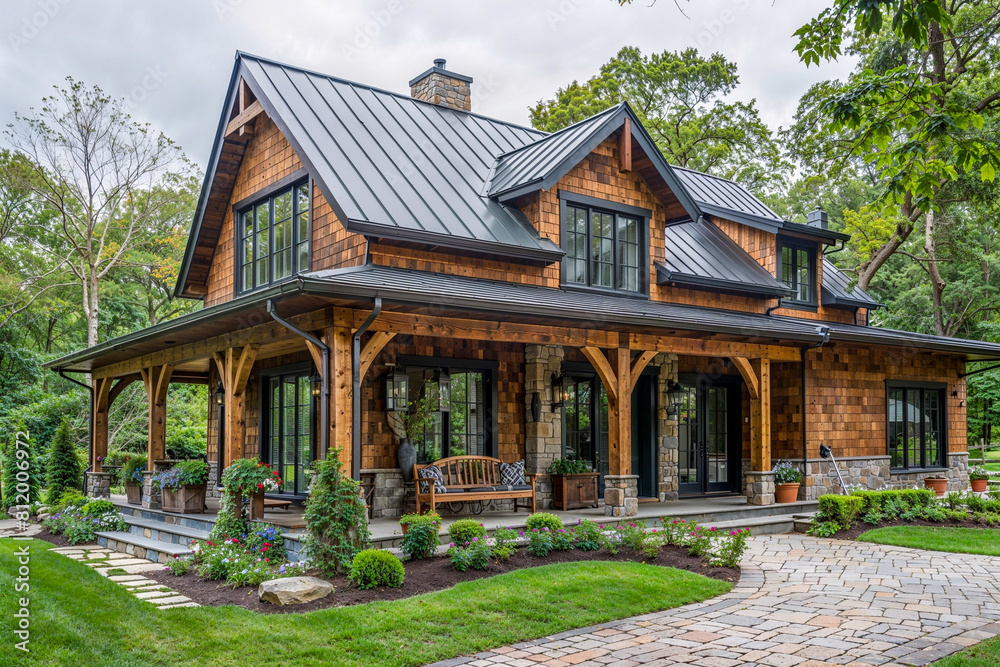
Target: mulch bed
x: 422, y: 576
x: 58, y: 540
x: 862, y: 527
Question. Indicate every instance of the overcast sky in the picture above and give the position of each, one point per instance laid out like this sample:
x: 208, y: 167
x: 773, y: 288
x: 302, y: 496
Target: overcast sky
x: 172, y: 60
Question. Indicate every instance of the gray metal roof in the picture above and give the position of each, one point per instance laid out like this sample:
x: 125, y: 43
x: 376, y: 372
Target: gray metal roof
x: 397, y: 167
x: 700, y: 254
x: 722, y: 197
x: 838, y: 289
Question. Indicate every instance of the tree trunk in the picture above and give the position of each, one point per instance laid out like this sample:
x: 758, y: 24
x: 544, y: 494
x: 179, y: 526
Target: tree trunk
x: 937, y: 282
x: 90, y: 306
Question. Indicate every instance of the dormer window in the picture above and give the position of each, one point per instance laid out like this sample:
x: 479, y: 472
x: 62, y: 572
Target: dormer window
x: 273, y: 233
x: 797, y: 269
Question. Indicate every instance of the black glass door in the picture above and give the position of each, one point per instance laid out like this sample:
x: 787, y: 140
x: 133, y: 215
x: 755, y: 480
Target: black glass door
x: 288, y: 429
x: 585, y: 424
x: 644, y: 428
x: 708, y: 437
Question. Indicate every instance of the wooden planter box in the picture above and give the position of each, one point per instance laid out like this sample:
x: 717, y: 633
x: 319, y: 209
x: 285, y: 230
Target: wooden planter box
x: 256, y: 505
x: 574, y: 491
x: 133, y: 494
x: 189, y: 499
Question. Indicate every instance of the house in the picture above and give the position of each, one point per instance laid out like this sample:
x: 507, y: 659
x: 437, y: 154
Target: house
x: 559, y: 295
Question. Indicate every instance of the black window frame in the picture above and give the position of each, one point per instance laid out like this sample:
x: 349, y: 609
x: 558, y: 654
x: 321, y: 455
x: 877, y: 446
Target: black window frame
x: 642, y: 215
x: 489, y: 370
x: 941, y: 389
x: 289, y: 184
x: 265, y: 416
x: 813, y: 250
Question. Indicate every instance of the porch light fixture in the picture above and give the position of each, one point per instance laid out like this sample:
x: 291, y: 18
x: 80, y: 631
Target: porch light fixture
x: 443, y: 381
x: 397, y: 390
x: 220, y: 395
x: 560, y: 391
x: 675, y: 396
x: 315, y: 385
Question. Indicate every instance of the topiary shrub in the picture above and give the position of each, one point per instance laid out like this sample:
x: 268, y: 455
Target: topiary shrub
x: 843, y: 510
x: 335, y: 517
x: 63, y: 465
x: 541, y: 520
x: 465, y: 530
x: 374, y: 567
x: 421, y: 540
x: 21, y: 479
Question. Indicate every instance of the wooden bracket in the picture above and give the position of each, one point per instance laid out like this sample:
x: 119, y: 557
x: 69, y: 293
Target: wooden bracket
x: 749, y: 376
x: 372, y: 348
x: 638, y: 366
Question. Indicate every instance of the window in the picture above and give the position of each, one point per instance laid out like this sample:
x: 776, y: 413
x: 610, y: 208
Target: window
x: 274, y: 237
x: 464, y: 429
x: 585, y: 422
x: 604, y: 248
x: 798, y: 271
x: 289, y: 417
x: 916, y: 426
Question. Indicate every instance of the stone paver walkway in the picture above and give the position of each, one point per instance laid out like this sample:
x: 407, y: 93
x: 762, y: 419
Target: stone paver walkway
x: 104, y: 560
x: 801, y: 602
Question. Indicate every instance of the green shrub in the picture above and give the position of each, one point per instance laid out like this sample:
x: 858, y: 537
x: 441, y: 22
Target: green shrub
x: 476, y: 556
x: 540, y: 543
x: 413, y: 519
x: 132, y: 469
x: 179, y: 566
x: 974, y: 503
x: 562, y: 540
x: 543, y: 520
x: 676, y: 531
x: 63, y: 465
x: 372, y: 568
x: 873, y: 517
x: 335, y: 517
x: 954, y: 500
x: 70, y: 498
x: 958, y: 516
x: 843, y: 510
x: 186, y: 442
x: 567, y: 467
x: 98, y: 507
x: 464, y: 531
x: 894, y: 501
x: 421, y: 540
x: 21, y: 474
x: 589, y: 535
x: 935, y: 514
x: 730, y: 548
x: 504, y: 543
x: 699, y: 542
x: 117, y: 458
x: 824, y: 528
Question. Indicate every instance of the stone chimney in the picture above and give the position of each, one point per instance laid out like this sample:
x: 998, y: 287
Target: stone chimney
x: 819, y: 218
x: 439, y: 86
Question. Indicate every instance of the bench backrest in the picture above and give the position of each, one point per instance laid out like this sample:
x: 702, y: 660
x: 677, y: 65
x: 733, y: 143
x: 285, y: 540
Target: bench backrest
x: 466, y: 471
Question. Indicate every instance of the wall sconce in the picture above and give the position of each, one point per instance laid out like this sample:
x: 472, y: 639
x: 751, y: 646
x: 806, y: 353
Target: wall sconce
x: 560, y: 391
x: 536, y: 406
x: 316, y: 385
x: 220, y: 395
x: 675, y: 396
x: 443, y: 381
x: 397, y: 390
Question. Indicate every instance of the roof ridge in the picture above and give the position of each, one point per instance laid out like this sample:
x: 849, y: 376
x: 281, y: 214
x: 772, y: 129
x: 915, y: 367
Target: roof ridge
x: 557, y: 133
x: 339, y: 79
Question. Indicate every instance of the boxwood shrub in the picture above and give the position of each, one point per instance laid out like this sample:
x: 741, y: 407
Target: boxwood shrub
x: 843, y: 510
x: 464, y: 530
x: 542, y: 520
x: 374, y: 567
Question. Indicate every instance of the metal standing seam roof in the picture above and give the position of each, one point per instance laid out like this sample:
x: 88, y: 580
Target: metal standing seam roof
x: 700, y: 254
x: 723, y: 197
x: 838, y: 290
x: 397, y: 167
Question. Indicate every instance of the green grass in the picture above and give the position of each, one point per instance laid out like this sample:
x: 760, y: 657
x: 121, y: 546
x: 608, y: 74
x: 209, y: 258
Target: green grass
x: 959, y: 540
x: 80, y: 618
x: 985, y: 654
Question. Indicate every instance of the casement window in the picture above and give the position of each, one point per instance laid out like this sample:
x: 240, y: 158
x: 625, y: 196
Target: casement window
x: 797, y: 269
x: 606, y: 244
x: 916, y: 425
x: 273, y: 237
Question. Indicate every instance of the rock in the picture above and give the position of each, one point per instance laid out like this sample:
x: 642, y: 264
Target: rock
x: 42, y: 509
x: 42, y: 516
x: 17, y: 509
x: 294, y: 590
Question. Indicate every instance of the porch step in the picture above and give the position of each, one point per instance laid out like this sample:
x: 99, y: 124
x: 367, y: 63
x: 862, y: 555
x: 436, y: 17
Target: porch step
x: 761, y: 525
x: 165, y: 532
x: 192, y: 521
x: 141, y: 547
x: 803, y: 522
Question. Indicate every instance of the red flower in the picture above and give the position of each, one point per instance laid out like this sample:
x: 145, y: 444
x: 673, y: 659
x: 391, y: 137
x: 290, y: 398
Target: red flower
x: 260, y: 485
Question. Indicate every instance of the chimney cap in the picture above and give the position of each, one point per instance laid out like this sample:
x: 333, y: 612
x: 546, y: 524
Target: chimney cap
x: 438, y: 68
x: 439, y: 62
x: 818, y: 218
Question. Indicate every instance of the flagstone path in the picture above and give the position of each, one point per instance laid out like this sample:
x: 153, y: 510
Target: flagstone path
x: 801, y: 602
x: 130, y: 575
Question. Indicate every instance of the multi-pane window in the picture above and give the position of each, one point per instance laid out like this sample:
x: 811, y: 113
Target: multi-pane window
x: 274, y: 238
x: 462, y: 429
x: 916, y: 427
x: 603, y: 249
x: 290, y: 418
x: 798, y: 271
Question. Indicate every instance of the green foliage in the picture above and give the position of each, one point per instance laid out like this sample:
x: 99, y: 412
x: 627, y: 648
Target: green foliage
x: 504, y: 543
x: 843, y: 510
x: 186, y: 442
x: 729, y: 548
x: 699, y: 541
x: 413, y: 519
x: 567, y: 467
x: 589, y: 535
x: 372, y: 568
x: 250, y: 476
x: 978, y: 473
x: 69, y: 498
x: 97, y: 508
x: 182, y: 473
x: 63, y: 465
x: 179, y: 566
x: 78, y: 522
x: 464, y: 531
x: 543, y: 520
x: 475, y: 556
x: 21, y: 480
x: 243, y: 562
x: 958, y: 516
x: 335, y: 517
x: 824, y: 528
x: 676, y: 531
x: 540, y: 542
x: 421, y: 540
x: 892, y: 502
x: 786, y: 473
x: 132, y: 469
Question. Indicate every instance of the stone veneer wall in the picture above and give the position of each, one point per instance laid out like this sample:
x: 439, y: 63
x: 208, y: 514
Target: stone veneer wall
x: 543, y: 442
x: 668, y: 472
x: 439, y: 88
x: 98, y: 485
x: 387, y: 498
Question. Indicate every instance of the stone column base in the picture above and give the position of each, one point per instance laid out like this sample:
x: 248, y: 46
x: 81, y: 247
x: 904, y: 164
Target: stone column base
x: 387, y: 498
x: 760, y: 487
x: 150, y: 493
x: 98, y: 485
x: 621, y: 495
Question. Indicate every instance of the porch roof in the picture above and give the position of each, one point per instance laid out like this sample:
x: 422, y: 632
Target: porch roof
x: 446, y: 293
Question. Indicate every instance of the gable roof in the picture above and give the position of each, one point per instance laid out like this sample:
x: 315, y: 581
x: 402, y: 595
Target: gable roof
x: 700, y: 255
x: 838, y: 290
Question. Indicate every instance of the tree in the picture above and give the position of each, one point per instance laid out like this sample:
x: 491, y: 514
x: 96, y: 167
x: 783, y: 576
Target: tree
x: 63, y: 471
x: 105, y: 178
x: 679, y: 97
x: 20, y: 476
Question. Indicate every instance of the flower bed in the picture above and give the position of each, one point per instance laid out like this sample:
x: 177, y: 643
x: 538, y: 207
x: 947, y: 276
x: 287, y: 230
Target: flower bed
x: 77, y: 519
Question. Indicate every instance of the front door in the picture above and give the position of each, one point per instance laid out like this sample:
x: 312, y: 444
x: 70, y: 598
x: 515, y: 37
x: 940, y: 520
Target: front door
x: 709, y: 436
x: 287, y: 425
x: 644, y: 450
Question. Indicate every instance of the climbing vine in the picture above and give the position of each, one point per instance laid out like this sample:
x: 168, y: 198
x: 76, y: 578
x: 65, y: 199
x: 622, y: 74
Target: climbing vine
x: 335, y: 516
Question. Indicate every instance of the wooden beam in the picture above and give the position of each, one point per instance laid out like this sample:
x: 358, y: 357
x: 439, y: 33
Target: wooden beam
x: 243, y: 367
x: 749, y: 376
x: 760, y: 418
x: 317, y: 356
x: 121, y: 385
x: 603, y: 367
x: 620, y: 414
x: 638, y: 366
x: 240, y: 126
x: 234, y: 366
x: 372, y: 348
x: 102, y: 403
x: 712, y: 348
x: 157, y: 382
x: 341, y: 394
x: 625, y: 146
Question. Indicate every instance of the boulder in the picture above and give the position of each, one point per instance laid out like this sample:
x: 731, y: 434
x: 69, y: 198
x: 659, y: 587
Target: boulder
x: 17, y: 509
x: 293, y: 590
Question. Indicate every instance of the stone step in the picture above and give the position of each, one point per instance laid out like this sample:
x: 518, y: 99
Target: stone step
x: 765, y: 525
x: 165, y: 532
x: 141, y: 547
x: 194, y: 521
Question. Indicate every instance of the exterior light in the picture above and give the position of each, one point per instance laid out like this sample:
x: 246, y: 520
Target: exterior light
x: 220, y: 395
x: 443, y: 391
x: 560, y: 390
x: 397, y: 391
x: 675, y: 396
x: 316, y: 384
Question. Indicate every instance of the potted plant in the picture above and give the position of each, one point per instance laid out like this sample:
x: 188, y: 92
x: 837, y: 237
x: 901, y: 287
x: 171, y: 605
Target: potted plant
x: 408, y: 426
x: 978, y: 478
x: 183, y: 487
x: 939, y: 485
x: 251, y: 478
x: 787, y: 479
x: 574, y: 484
x: 408, y: 520
x: 131, y: 477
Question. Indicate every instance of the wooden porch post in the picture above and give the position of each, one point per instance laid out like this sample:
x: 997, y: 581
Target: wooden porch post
x: 157, y: 381
x: 338, y: 338
x: 760, y: 481
x: 234, y: 365
x: 102, y: 403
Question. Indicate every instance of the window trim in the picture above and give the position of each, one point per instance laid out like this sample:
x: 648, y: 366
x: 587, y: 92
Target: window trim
x: 813, y: 249
x: 644, y: 217
x: 942, y: 388
x: 290, y: 182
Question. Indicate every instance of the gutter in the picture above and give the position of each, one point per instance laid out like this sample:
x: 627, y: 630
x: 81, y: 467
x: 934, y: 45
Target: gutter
x: 825, y: 332
x: 356, y: 389
x: 90, y: 430
x: 324, y: 403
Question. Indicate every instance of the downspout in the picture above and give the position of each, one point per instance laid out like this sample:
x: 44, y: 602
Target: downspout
x: 825, y: 332
x: 324, y: 403
x: 90, y: 429
x: 356, y: 389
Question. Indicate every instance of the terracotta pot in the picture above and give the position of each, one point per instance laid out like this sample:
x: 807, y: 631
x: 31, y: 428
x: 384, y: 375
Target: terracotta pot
x: 405, y: 527
x: 979, y: 485
x: 189, y: 499
x: 133, y: 494
x: 786, y: 493
x: 937, y: 484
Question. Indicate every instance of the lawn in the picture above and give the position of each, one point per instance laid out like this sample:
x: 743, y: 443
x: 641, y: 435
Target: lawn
x: 986, y: 654
x: 959, y: 540
x: 80, y: 618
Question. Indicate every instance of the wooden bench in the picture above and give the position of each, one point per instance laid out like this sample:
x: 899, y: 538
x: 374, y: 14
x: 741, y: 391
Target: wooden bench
x: 470, y: 479
x: 270, y: 503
